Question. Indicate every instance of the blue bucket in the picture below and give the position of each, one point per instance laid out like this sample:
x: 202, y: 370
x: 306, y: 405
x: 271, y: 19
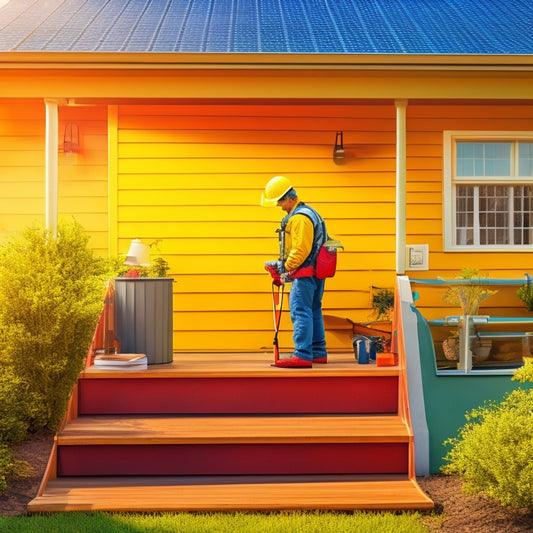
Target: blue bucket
x: 364, y: 349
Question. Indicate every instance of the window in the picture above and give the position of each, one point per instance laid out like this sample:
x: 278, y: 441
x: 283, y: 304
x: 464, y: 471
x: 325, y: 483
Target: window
x: 488, y: 191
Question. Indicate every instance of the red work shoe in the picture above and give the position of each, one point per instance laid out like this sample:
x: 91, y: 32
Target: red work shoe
x: 293, y: 362
x: 321, y: 360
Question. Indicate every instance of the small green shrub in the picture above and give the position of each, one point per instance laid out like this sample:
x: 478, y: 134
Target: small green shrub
x: 14, y: 419
x: 383, y: 303
x: 492, y: 452
x: 525, y: 293
x: 7, y: 465
x: 51, y: 295
x: 524, y: 373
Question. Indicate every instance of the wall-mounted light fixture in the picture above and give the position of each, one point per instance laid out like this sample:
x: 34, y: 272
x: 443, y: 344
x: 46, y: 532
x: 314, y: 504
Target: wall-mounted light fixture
x: 138, y: 254
x: 338, y: 150
x: 71, y: 138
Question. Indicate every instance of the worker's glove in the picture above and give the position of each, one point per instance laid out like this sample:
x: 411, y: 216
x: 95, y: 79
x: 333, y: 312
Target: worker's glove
x: 285, y: 277
x: 275, y: 269
x: 275, y: 265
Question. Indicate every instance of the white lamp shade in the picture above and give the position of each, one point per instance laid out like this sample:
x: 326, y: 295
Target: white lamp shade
x: 138, y: 254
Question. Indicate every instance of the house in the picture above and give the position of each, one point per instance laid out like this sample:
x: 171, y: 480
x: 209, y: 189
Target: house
x: 164, y: 120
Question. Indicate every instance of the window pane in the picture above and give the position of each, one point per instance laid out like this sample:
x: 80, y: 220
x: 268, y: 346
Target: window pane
x: 493, y: 214
x: 525, y: 159
x: 497, y: 159
x: 466, y: 158
x: 483, y: 159
x: 464, y: 215
x: 522, y: 215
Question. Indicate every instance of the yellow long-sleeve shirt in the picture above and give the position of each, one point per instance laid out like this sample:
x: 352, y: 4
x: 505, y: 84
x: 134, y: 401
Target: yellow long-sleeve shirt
x: 299, y: 235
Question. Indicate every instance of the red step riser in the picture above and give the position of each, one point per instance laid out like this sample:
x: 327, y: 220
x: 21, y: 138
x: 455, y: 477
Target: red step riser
x: 233, y: 459
x: 347, y: 395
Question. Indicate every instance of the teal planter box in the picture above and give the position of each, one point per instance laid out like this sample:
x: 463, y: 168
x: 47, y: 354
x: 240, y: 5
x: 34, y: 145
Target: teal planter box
x: 143, y: 317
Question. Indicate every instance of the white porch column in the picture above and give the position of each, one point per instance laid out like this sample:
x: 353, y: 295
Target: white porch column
x: 401, y: 106
x: 51, y: 165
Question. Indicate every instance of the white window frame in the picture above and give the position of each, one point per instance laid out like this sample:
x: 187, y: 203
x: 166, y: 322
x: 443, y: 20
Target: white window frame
x: 449, y: 200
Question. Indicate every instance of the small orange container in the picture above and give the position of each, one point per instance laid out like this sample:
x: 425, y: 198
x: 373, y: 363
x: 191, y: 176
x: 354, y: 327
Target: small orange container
x: 386, y: 359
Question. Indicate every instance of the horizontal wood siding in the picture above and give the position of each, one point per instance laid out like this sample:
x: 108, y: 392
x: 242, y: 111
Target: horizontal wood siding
x: 192, y: 176
x: 22, y: 127
x: 82, y: 177
x: 425, y: 125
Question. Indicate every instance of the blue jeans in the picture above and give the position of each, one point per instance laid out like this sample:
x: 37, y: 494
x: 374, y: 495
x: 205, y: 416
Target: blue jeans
x: 305, y: 301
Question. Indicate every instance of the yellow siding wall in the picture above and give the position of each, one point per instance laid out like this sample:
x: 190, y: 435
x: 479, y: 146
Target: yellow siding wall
x: 425, y: 124
x: 193, y: 176
x: 82, y: 177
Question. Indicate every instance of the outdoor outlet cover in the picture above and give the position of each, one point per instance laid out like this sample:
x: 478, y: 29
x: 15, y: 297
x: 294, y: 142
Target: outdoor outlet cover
x: 417, y: 257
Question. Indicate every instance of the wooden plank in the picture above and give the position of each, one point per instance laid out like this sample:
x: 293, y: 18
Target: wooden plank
x: 253, y: 123
x: 344, y: 177
x: 263, y: 227
x: 221, y: 196
x: 209, y: 365
x: 135, y: 430
x: 208, y: 136
x: 251, y: 165
x: 228, y: 494
x: 294, y: 109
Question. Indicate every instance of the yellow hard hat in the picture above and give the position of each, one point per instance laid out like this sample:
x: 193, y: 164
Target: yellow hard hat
x: 274, y: 190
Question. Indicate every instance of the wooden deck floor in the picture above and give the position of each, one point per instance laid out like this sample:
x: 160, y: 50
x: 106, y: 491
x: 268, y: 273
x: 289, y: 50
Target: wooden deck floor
x: 248, y: 365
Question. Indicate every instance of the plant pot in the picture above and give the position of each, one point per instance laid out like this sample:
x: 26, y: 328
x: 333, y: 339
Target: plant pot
x: 450, y: 347
x: 481, y: 349
x: 143, y: 317
x: 481, y: 353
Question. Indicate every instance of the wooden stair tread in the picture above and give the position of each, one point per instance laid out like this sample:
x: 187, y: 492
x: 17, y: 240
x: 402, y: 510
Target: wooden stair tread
x: 242, y: 365
x: 128, y: 429
x: 228, y: 494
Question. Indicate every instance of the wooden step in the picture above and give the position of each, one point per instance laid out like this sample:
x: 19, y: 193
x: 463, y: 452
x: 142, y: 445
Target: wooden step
x: 240, y: 384
x: 234, y: 493
x: 230, y: 432
x: 121, y: 429
x: 223, y: 445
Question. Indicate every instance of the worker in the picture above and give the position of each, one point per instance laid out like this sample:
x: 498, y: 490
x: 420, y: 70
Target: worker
x: 303, y: 233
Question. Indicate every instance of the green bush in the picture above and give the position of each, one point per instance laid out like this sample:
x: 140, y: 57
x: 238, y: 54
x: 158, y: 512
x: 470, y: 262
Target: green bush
x: 524, y: 373
x: 492, y: 452
x: 14, y: 419
x: 51, y: 295
x: 7, y: 465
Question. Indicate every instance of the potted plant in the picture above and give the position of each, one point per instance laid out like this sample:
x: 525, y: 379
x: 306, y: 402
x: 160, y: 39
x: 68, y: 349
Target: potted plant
x: 525, y: 293
x: 383, y: 303
x: 450, y: 346
x: 467, y: 292
x: 143, y: 305
x: 481, y: 348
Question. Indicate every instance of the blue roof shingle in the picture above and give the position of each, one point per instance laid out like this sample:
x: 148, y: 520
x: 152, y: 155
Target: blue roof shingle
x: 269, y: 26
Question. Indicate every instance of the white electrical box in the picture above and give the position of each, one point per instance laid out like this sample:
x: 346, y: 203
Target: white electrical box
x: 417, y: 257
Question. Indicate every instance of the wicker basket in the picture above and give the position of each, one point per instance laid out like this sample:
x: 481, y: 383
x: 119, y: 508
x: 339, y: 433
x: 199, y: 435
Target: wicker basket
x: 450, y: 347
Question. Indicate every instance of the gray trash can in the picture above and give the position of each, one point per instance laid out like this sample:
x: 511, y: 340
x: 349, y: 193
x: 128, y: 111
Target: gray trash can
x: 143, y: 317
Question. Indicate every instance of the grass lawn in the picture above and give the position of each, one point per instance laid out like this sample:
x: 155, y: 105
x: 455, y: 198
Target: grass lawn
x: 290, y: 522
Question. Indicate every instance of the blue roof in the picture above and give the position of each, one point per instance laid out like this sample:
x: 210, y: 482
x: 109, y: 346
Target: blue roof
x: 269, y: 26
